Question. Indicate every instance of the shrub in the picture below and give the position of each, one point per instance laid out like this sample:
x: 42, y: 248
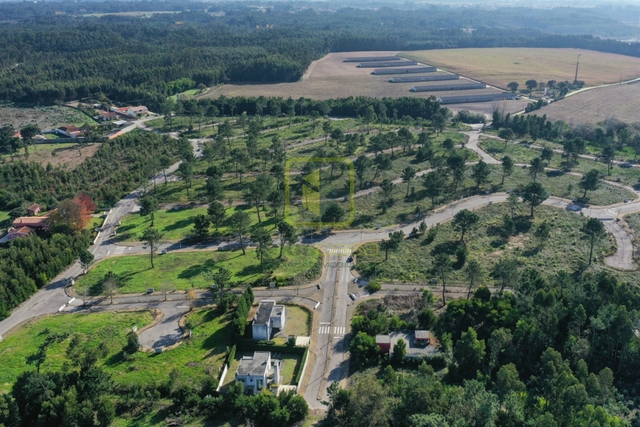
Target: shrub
x: 374, y: 286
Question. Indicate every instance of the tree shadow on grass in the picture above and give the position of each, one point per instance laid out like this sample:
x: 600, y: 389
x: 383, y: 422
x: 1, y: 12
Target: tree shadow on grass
x: 362, y: 220
x: 523, y: 224
x: 448, y: 248
x: 179, y: 224
x: 197, y: 269
x: 217, y: 342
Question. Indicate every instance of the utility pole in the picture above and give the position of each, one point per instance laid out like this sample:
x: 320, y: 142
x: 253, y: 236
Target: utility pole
x: 575, y: 80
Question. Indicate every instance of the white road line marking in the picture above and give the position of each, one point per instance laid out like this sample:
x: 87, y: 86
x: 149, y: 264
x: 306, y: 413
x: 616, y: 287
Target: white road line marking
x: 339, y: 330
x: 325, y: 323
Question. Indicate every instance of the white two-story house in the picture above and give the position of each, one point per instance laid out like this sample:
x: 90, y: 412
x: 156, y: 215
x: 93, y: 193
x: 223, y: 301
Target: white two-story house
x: 258, y: 371
x: 269, y: 316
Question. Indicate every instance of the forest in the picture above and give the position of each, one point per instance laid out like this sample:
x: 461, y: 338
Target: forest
x: 546, y: 355
x: 118, y: 167
x: 128, y: 60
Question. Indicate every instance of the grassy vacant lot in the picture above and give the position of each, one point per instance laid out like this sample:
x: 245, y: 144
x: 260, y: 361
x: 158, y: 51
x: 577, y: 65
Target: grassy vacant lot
x: 368, y: 213
x: 46, y: 117
x: 499, y: 66
x: 566, y: 248
x: 198, y: 357
x: 67, y: 155
x: 4, y: 221
x: 521, y: 153
x: 593, y: 106
x: 176, y: 224
x: 184, y: 270
x: 110, y: 328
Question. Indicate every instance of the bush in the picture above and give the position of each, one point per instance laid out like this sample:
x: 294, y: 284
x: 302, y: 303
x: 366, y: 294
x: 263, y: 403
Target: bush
x: 374, y: 286
x: 133, y: 343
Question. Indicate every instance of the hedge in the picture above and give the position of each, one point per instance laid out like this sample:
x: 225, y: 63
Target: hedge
x: 297, y: 378
x: 231, y: 355
x: 249, y: 345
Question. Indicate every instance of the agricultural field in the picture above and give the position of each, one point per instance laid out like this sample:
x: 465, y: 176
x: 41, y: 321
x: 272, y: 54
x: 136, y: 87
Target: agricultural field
x: 566, y: 249
x: 593, y: 106
x: 186, y: 270
x: 108, y: 328
x: 499, y: 66
x: 330, y: 77
x: 65, y: 155
x: 45, y: 117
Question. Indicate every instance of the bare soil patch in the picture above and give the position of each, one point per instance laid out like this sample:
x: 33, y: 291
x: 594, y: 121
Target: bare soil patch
x: 46, y: 117
x: 330, y: 77
x: 69, y: 156
x: 596, y: 105
x: 499, y: 66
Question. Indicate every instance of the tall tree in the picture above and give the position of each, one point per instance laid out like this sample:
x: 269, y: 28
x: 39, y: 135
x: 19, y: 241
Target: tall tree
x: 86, y: 259
x: 186, y: 171
x: 361, y: 166
x: 442, y: 265
x: 240, y: 222
x: 464, y: 221
x: 433, y: 184
x: 263, y: 241
x: 334, y: 213
x: 480, y: 173
x: 506, y: 272
x: 594, y: 230
x: 151, y: 237
x: 534, y: 194
x: 201, y: 224
x: 149, y: 206
x: 589, y: 181
x: 474, y: 273
x: 408, y: 174
x: 513, y: 203
x: 537, y: 166
x: 608, y: 155
x: 287, y: 234
x: 217, y: 213
x: 392, y: 244
x: 507, y: 167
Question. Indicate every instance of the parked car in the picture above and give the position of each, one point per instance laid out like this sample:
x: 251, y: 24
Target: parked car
x: 352, y: 296
x: 150, y: 291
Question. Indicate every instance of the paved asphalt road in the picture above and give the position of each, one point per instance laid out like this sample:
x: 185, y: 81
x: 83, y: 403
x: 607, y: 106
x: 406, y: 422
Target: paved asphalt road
x: 333, y: 298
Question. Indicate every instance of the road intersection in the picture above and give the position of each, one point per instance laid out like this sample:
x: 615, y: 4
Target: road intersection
x: 330, y: 300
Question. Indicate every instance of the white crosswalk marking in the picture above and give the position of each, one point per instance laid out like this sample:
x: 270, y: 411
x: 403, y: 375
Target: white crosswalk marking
x: 346, y: 251
x: 325, y: 329
x: 339, y: 330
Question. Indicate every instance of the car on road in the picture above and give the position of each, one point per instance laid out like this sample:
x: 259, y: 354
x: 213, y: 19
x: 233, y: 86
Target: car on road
x: 150, y: 291
x: 352, y: 296
x: 350, y: 259
x: 626, y: 165
x: 574, y: 208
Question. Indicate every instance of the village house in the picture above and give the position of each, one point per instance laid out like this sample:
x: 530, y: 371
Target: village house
x: 269, y: 316
x: 106, y: 116
x: 131, y: 112
x: 34, y: 209
x: 71, y: 131
x: 258, y: 371
x: 35, y: 222
x: 20, y: 232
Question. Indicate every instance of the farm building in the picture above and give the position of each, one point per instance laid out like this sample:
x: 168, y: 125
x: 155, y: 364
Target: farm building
x: 387, y: 64
x: 433, y: 78
x: 405, y: 70
x: 434, y: 88
x: 373, y: 59
x: 476, y: 98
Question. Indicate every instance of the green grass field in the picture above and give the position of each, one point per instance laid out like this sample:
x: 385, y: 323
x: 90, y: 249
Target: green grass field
x: 368, y: 212
x: 566, y: 248
x: 184, y: 270
x: 177, y: 224
x: 521, y: 153
x: 200, y: 356
x: 110, y: 328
